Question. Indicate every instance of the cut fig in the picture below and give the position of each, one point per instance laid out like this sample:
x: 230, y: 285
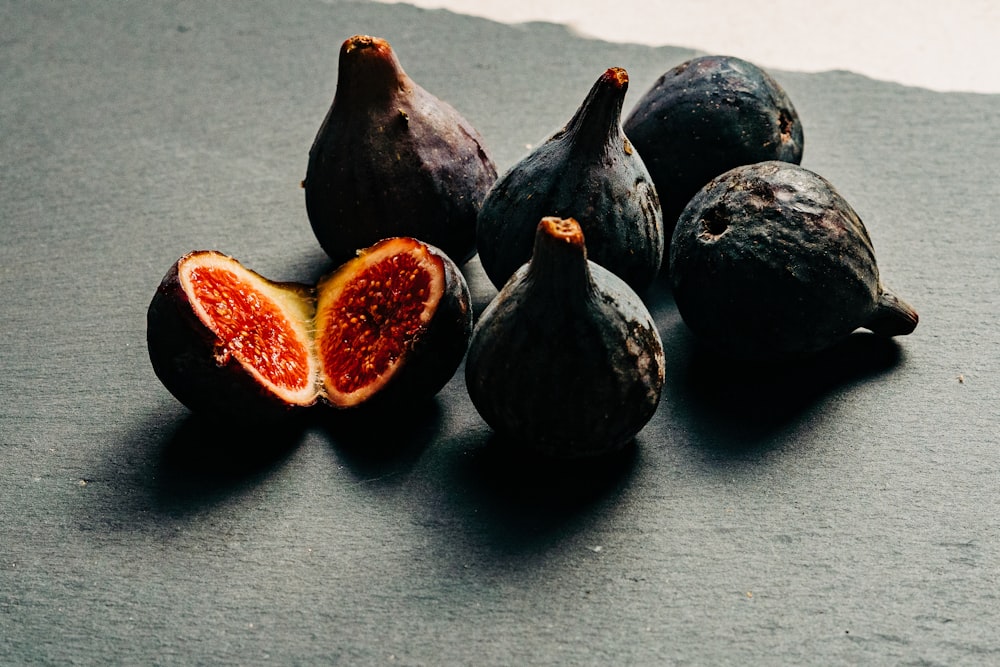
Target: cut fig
x: 391, y: 324
x: 394, y: 323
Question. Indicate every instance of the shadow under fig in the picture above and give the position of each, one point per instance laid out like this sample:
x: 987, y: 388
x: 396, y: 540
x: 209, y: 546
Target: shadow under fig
x: 522, y: 499
x: 734, y: 407
x: 206, y: 460
x: 373, y: 443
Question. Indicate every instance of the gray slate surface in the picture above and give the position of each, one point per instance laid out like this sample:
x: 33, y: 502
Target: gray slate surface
x: 841, y: 512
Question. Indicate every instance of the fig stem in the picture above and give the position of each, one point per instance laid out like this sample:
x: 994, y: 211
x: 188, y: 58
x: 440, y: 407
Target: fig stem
x: 559, y: 257
x: 892, y: 316
x: 599, y: 116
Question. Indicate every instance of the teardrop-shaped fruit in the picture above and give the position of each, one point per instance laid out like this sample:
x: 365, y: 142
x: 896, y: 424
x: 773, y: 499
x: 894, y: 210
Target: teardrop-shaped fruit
x: 588, y: 171
x: 565, y: 361
x: 769, y: 262
x: 391, y: 159
x: 706, y: 116
x: 388, y: 327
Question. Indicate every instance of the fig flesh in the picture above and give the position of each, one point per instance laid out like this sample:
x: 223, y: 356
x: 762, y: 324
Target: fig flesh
x: 565, y: 361
x: 706, y: 116
x: 588, y: 171
x: 389, y: 326
x: 391, y: 159
x: 769, y: 262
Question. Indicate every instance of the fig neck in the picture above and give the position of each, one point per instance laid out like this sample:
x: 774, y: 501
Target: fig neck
x: 597, y: 125
x: 369, y: 72
x: 559, y: 266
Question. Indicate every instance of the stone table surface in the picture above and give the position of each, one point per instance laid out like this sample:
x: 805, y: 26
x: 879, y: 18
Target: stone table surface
x: 843, y: 511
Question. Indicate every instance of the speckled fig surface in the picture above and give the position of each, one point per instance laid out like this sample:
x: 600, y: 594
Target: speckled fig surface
x: 566, y: 361
x: 706, y: 116
x: 770, y: 262
x: 388, y: 327
x: 588, y: 170
x: 391, y: 159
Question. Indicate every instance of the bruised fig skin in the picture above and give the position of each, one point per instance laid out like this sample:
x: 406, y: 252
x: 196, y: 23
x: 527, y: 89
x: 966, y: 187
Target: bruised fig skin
x: 409, y: 304
x: 386, y: 330
x: 206, y: 339
x: 391, y: 159
x: 565, y: 361
x: 706, y: 116
x: 588, y: 171
x: 769, y: 263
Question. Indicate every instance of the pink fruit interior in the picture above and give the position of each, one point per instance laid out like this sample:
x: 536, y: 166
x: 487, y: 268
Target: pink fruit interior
x: 372, y: 319
x: 251, y: 327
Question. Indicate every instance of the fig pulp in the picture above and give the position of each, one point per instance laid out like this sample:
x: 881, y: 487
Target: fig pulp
x: 389, y: 326
x: 587, y: 171
x: 391, y: 159
x: 706, y: 116
x: 769, y: 262
x: 565, y: 361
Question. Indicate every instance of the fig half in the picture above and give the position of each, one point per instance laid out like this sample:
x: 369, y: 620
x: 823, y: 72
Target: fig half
x: 391, y: 159
x: 390, y: 325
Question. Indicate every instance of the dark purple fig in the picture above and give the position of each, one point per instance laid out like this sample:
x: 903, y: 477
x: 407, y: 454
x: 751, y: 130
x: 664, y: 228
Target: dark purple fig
x: 769, y: 262
x: 391, y: 159
x: 588, y: 171
x: 565, y: 361
x: 388, y: 328
x: 706, y: 116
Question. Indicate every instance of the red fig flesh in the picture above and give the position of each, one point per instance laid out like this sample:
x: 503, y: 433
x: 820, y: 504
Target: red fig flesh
x: 391, y: 324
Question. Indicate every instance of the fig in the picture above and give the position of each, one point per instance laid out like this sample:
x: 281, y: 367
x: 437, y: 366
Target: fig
x: 388, y: 327
x: 565, y: 361
x: 589, y: 171
x: 391, y: 159
x: 706, y: 116
x: 768, y: 262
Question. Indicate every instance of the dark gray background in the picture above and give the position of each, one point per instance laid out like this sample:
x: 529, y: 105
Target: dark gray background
x: 843, y: 511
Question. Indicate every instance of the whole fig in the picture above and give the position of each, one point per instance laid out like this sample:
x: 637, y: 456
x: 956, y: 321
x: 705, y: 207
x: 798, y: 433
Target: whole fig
x: 589, y: 171
x: 706, y: 116
x: 391, y: 159
x: 565, y: 361
x: 769, y: 262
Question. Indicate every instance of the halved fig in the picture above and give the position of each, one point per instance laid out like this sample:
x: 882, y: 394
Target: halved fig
x: 391, y: 324
x: 224, y: 339
x: 394, y: 322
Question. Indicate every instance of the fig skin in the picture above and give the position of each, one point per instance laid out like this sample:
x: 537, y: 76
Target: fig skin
x: 768, y: 262
x: 434, y: 353
x: 391, y: 159
x: 589, y: 171
x: 185, y: 352
x: 565, y: 362
x: 706, y: 116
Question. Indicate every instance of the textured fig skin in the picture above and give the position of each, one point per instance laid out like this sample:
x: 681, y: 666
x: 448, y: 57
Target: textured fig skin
x: 436, y: 351
x: 706, y: 116
x: 391, y: 159
x: 590, y: 172
x: 769, y: 263
x: 566, y: 361
x: 182, y: 351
